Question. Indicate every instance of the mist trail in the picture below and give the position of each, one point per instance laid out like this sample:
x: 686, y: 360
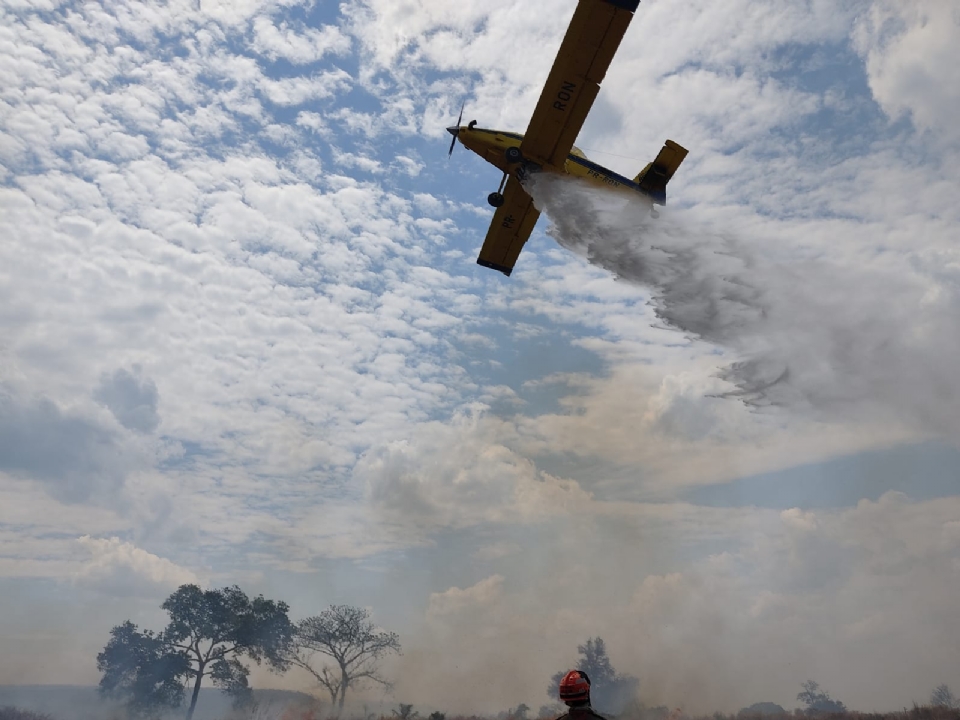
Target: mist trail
x: 816, y: 336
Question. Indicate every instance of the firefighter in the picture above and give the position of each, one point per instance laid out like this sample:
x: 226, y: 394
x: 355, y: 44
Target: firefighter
x: 575, y: 692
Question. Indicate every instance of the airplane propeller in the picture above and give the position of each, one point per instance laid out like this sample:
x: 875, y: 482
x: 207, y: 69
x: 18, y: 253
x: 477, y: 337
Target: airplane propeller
x: 455, y: 130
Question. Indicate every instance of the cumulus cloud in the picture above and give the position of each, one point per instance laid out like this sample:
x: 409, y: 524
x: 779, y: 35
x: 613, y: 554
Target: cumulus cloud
x: 472, y: 600
x: 122, y: 568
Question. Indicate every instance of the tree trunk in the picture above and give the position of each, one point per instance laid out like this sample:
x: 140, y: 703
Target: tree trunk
x: 196, y: 693
x: 344, y: 679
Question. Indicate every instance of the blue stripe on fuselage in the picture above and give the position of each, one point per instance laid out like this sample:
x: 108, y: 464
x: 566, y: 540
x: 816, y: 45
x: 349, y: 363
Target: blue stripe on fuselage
x: 601, y: 172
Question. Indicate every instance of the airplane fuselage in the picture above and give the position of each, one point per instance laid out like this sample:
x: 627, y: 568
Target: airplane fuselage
x: 492, y: 146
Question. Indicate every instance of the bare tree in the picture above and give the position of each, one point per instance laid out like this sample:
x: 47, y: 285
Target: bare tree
x: 345, y: 635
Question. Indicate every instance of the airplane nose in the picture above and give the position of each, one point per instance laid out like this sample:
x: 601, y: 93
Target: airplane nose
x: 453, y: 130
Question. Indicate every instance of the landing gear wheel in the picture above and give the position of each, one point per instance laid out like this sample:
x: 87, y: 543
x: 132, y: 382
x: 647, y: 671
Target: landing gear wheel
x: 495, y: 199
x: 513, y: 155
x: 654, y: 214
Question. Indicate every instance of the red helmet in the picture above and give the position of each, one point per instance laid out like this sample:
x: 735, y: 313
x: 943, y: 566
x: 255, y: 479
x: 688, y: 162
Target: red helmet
x: 575, y: 686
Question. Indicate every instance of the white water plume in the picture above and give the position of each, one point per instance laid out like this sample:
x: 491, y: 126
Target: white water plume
x: 840, y: 340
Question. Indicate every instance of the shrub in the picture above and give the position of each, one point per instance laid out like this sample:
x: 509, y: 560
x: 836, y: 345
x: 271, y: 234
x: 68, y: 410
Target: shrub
x: 12, y: 713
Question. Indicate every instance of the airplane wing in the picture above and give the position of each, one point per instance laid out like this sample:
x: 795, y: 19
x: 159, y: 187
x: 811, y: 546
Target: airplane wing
x: 588, y: 47
x: 511, y: 226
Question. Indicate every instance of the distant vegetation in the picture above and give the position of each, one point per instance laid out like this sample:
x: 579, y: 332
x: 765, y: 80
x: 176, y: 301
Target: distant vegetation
x: 12, y: 713
x: 761, y: 709
x: 610, y: 692
x: 818, y: 702
x: 942, y: 696
x: 345, y: 635
x: 210, y: 632
x: 281, y: 705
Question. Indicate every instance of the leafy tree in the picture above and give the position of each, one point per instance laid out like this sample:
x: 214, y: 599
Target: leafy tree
x: 761, y: 708
x: 609, y: 691
x: 817, y: 701
x: 209, y: 631
x: 942, y: 696
x: 438, y: 716
x: 142, y: 668
x: 406, y: 712
x: 520, y: 712
x: 347, y: 636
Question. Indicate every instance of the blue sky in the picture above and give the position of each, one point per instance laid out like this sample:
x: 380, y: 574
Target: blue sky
x: 245, y: 341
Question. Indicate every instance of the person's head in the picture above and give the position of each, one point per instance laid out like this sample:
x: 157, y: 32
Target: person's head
x: 575, y: 688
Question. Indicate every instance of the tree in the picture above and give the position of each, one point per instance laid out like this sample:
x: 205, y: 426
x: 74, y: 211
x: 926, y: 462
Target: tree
x: 609, y: 691
x: 209, y: 631
x: 143, y: 669
x: 406, y: 712
x: 347, y: 636
x: 817, y: 701
x: 761, y: 708
x: 942, y: 696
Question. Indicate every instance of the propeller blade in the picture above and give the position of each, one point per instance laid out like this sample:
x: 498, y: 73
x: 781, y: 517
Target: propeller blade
x: 455, y: 134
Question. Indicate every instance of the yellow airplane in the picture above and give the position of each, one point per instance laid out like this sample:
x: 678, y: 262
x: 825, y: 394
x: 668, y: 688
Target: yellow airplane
x: 585, y: 54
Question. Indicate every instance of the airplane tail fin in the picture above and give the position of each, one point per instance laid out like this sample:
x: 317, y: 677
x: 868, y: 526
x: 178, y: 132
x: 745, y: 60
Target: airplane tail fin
x: 654, y: 177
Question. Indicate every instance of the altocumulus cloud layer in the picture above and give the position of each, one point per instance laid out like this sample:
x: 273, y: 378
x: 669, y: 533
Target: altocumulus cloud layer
x: 243, y: 340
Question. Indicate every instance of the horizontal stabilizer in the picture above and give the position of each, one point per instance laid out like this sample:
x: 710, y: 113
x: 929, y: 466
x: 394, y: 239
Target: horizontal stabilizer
x: 654, y: 177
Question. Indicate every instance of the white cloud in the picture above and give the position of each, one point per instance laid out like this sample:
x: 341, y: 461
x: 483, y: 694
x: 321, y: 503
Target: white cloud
x: 912, y: 57
x: 499, y: 550
x: 460, y: 473
x: 311, y: 44
x: 299, y: 90
x: 70, y: 454
x: 409, y: 166
x: 131, y: 399
x: 121, y: 567
x: 470, y: 601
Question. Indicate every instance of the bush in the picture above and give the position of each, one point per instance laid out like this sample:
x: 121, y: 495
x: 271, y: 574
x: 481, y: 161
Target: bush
x: 12, y: 713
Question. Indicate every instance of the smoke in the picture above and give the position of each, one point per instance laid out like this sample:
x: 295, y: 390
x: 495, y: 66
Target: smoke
x: 838, y: 340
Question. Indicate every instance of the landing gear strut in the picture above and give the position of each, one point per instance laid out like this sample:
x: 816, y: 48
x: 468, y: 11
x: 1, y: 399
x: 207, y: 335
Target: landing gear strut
x: 496, y: 198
